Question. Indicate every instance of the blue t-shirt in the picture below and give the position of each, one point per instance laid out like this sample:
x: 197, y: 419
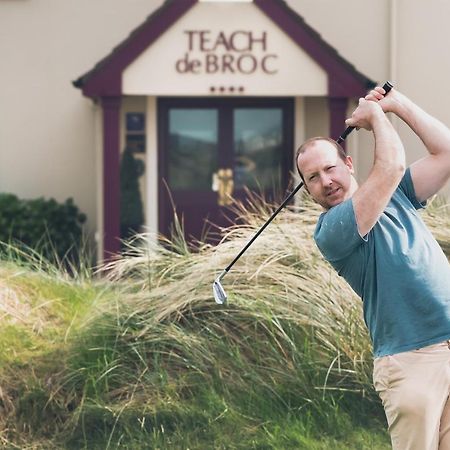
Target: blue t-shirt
x: 398, y: 269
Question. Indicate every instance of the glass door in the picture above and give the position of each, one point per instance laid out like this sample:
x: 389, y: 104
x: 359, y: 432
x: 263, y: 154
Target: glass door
x: 212, y: 151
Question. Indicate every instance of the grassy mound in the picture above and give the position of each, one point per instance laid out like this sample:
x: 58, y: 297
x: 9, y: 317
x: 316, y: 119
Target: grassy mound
x: 142, y: 357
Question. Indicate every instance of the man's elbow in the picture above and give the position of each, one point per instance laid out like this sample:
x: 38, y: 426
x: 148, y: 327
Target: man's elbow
x: 396, y: 170
x: 401, y: 168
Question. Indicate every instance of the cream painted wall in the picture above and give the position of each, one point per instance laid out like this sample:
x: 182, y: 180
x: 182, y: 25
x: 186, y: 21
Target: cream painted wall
x: 151, y: 172
x: 358, y: 29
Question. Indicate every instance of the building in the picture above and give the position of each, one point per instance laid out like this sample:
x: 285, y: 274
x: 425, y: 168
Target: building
x: 213, y: 96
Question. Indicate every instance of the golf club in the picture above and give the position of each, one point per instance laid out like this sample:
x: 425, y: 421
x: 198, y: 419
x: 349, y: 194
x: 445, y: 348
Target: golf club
x: 220, y: 295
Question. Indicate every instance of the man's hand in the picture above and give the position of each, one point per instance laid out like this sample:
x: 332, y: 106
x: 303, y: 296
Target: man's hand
x: 366, y: 115
x: 389, y: 103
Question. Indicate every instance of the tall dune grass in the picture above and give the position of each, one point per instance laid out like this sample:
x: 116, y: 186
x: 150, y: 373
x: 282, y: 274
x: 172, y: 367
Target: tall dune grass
x: 142, y: 357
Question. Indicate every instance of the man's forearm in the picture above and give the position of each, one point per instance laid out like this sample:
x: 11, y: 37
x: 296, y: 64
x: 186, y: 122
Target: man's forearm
x: 389, y: 152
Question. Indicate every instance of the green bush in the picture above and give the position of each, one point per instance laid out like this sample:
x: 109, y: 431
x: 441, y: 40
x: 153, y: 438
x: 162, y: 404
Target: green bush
x: 46, y: 226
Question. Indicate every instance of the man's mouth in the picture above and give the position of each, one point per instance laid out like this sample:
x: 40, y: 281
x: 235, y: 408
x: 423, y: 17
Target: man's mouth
x: 332, y: 191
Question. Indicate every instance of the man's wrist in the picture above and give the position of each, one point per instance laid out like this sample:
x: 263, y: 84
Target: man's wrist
x: 399, y: 104
x: 380, y: 123
x: 377, y: 117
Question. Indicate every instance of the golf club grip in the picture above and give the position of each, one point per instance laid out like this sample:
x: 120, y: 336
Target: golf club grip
x: 387, y: 87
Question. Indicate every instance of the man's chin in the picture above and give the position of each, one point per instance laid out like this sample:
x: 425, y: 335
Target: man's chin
x: 329, y: 203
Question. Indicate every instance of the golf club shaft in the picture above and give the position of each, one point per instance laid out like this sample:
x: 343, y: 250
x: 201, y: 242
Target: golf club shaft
x: 288, y: 198
x: 387, y: 87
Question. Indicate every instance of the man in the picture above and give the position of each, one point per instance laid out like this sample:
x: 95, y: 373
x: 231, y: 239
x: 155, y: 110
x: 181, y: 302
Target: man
x: 374, y: 237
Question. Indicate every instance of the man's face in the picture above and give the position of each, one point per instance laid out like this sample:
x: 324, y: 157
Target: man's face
x: 327, y: 177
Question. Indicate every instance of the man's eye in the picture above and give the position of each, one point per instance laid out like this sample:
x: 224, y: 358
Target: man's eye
x: 312, y: 177
x: 330, y: 167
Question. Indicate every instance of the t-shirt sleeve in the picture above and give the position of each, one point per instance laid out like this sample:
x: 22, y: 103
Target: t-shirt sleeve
x: 407, y: 187
x: 337, y: 233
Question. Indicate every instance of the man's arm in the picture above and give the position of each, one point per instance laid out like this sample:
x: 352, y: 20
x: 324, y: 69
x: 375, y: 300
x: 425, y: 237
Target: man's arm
x: 372, y: 197
x: 430, y: 173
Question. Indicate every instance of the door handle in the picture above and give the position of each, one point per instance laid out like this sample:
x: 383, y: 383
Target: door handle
x: 223, y: 184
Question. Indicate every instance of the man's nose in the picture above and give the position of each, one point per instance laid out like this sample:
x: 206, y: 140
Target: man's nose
x: 325, y: 180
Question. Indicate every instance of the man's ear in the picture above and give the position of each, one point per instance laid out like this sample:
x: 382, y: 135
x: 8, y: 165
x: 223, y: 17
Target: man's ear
x: 298, y: 170
x: 349, y: 163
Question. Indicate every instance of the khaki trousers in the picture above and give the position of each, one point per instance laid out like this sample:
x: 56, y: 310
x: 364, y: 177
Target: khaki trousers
x: 414, y: 387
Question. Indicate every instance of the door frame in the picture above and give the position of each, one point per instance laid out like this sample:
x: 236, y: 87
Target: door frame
x: 165, y: 103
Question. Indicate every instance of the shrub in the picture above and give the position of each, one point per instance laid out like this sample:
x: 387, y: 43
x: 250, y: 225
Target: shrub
x: 52, y: 229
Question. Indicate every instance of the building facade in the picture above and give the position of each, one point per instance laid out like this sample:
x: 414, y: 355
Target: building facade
x: 212, y: 97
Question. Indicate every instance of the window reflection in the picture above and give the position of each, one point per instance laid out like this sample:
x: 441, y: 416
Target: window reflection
x: 258, y: 139
x: 192, y: 148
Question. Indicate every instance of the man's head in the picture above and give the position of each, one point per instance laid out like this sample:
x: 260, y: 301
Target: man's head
x: 326, y: 171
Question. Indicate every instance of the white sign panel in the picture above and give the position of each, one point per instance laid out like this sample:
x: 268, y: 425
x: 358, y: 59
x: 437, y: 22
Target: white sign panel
x: 225, y: 49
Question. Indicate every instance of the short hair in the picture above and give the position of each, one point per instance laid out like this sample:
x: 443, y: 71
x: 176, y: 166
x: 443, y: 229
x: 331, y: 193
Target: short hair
x: 309, y: 142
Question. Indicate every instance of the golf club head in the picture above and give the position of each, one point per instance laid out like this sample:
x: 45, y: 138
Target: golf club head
x: 220, y: 295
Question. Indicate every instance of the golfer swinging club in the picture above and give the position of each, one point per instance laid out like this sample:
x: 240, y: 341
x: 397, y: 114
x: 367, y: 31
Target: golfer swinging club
x: 374, y: 238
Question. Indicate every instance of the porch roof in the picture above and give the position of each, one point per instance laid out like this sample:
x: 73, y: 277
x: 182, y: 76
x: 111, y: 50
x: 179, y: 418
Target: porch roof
x: 105, y: 78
